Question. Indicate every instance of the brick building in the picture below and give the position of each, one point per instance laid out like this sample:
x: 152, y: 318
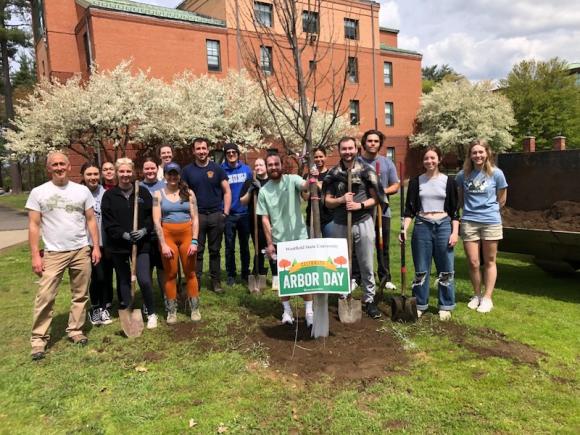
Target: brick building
x: 384, y: 85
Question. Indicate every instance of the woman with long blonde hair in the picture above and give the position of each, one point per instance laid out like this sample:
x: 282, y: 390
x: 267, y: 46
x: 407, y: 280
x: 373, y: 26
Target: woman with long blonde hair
x: 482, y: 191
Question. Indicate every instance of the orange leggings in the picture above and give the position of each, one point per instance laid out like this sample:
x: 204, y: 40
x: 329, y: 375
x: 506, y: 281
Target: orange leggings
x: 178, y: 238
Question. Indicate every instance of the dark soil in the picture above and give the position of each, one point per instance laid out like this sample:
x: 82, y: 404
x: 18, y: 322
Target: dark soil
x: 488, y: 343
x: 561, y: 216
x: 361, y: 352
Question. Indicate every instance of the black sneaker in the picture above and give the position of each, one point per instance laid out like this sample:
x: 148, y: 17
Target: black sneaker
x: 94, y: 315
x: 372, y: 311
x: 231, y: 281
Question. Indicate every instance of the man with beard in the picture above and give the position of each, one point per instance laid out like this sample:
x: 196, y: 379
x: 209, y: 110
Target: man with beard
x: 279, y: 206
x: 61, y: 211
x: 372, y: 141
x: 366, y: 193
x: 209, y: 183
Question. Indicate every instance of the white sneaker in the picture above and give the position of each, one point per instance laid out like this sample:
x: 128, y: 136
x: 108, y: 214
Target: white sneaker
x: 287, y: 318
x: 106, y: 317
x: 474, y: 302
x: 353, y: 285
x: 485, y: 306
x: 390, y: 286
x: 444, y: 315
x: 152, y: 321
x: 309, y: 319
x: 420, y: 313
x: 275, y: 282
x: 172, y: 317
x: 195, y: 315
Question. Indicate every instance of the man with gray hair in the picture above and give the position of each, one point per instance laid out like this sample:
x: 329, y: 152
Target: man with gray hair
x: 61, y: 211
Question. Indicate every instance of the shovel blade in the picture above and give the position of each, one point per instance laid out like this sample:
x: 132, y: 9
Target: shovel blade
x: 131, y: 322
x: 262, y: 282
x: 404, y: 309
x: 253, y: 284
x: 349, y: 310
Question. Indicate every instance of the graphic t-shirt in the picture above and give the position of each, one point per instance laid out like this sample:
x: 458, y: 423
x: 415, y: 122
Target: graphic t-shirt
x: 153, y: 187
x: 63, y: 222
x: 280, y: 200
x: 98, y: 197
x: 206, y: 183
x: 237, y: 176
x: 480, y: 195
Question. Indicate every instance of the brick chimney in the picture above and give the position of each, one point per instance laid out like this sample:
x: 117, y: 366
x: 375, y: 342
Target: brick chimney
x: 529, y: 144
x: 559, y: 143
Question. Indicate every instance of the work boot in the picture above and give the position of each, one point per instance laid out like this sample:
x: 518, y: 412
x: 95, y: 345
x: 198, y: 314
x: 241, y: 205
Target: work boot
x: 372, y: 310
x: 195, y: 314
x: 171, y: 311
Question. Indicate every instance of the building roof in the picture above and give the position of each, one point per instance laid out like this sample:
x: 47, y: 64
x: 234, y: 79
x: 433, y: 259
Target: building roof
x: 574, y: 65
x: 388, y: 48
x: 388, y: 30
x: 151, y: 11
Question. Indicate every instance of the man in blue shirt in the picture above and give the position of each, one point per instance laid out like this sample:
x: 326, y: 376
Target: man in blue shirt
x: 238, y: 220
x: 209, y: 183
x: 372, y: 142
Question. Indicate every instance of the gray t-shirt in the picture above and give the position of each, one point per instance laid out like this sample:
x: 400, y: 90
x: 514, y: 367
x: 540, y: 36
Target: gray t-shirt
x: 432, y: 192
x: 387, y: 174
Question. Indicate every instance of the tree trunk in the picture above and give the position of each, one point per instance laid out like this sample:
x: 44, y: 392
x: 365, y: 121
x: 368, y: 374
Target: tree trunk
x: 15, y: 174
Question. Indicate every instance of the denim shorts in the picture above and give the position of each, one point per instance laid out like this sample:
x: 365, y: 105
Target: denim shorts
x: 474, y: 231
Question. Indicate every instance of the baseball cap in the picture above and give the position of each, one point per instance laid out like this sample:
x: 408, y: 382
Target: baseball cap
x: 171, y: 166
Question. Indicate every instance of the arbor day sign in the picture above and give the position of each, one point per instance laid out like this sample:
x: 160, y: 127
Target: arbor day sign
x: 313, y: 266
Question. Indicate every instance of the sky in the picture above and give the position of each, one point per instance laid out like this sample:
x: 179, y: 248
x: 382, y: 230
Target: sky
x: 481, y: 39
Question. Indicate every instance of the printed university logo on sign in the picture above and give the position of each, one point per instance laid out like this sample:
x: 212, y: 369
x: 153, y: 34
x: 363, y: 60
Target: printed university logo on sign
x: 313, y: 266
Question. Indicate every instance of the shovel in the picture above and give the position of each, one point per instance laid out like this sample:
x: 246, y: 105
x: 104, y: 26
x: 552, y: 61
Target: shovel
x: 256, y: 284
x: 403, y: 308
x: 383, y: 282
x: 349, y: 309
x: 132, y: 320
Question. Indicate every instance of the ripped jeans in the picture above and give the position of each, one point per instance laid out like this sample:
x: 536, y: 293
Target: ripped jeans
x: 431, y: 241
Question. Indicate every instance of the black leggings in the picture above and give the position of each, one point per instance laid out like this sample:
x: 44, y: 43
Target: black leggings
x: 261, y: 257
x: 101, y: 288
x: 123, y: 270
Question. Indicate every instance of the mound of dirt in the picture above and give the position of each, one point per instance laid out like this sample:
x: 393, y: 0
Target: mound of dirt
x: 561, y: 216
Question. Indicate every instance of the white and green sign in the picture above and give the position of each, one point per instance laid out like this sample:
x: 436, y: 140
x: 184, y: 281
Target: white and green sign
x: 313, y: 266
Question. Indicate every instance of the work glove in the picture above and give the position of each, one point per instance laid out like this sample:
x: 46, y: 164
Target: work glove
x: 126, y: 236
x: 138, y: 234
x: 254, y: 186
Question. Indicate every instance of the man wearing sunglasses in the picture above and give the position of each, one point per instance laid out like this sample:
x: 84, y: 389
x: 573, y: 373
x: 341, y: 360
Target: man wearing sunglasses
x: 238, y: 221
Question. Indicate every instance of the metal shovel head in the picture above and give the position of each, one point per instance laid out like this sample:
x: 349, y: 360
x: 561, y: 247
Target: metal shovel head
x: 262, y: 282
x: 131, y: 322
x: 404, y: 309
x: 349, y: 310
x: 253, y: 284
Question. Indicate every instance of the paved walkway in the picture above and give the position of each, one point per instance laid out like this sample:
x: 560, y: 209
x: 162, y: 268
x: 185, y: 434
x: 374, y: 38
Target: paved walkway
x: 13, y: 227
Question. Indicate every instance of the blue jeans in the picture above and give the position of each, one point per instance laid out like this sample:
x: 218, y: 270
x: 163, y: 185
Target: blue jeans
x: 240, y: 224
x: 431, y: 241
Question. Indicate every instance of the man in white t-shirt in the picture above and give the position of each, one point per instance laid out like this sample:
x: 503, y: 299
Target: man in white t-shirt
x: 62, y: 211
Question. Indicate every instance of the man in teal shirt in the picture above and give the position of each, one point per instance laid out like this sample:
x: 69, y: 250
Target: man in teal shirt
x: 279, y: 206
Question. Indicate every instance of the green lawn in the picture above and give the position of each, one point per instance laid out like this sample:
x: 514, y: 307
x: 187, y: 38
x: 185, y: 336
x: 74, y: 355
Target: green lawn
x: 14, y: 201
x: 513, y: 370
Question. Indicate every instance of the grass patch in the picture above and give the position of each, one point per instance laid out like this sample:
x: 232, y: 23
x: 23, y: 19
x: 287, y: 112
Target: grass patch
x: 165, y: 382
x: 15, y: 201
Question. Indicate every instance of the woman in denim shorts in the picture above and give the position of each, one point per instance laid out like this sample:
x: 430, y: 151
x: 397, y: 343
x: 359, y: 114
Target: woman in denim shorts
x: 482, y: 192
x: 432, y: 200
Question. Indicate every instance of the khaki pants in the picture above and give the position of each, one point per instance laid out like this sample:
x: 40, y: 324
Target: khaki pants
x: 78, y: 263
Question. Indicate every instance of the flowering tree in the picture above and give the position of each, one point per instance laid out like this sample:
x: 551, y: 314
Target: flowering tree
x: 455, y: 113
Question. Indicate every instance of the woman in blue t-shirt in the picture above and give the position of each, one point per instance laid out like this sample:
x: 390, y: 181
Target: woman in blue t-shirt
x: 482, y: 191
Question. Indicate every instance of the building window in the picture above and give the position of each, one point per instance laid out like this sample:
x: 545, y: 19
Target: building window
x: 263, y: 14
x: 350, y: 28
x: 352, y: 70
x: 310, y: 22
x: 391, y: 153
x: 389, y: 115
x: 38, y: 27
x: 354, y: 112
x: 266, y: 59
x: 87, y: 47
x: 213, y: 55
x: 388, y: 73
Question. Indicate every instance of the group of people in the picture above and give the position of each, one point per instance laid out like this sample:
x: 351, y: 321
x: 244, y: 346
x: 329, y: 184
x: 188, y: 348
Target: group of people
x: 89, y: 229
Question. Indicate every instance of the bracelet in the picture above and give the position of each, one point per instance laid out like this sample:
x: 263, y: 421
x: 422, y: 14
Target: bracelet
x: 194, y: 242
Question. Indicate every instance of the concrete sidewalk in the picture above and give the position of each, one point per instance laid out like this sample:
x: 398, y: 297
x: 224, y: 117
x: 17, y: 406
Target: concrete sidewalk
x: 13, y: 227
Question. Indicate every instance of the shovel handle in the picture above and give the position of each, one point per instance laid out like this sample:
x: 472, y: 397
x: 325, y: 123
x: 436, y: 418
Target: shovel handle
x: 349, y: 221
x: 379, y: 210
x: 403, y: 265
x: 134, y: 247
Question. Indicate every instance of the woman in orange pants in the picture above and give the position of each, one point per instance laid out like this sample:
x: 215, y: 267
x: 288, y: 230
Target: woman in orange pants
x: 177, y: 226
